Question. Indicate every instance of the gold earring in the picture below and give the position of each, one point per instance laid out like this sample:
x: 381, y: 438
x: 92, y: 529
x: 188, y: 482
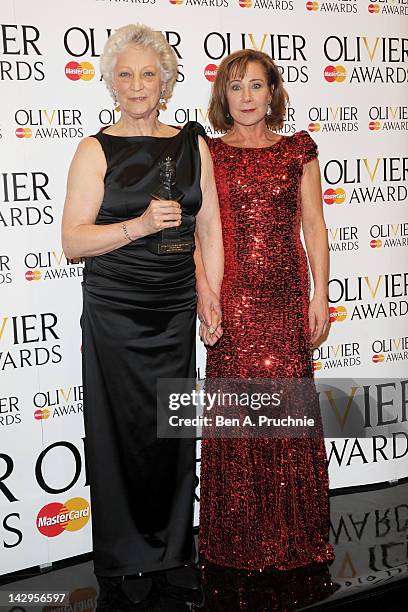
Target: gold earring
x: 115, y: 101
x: 162, y: 101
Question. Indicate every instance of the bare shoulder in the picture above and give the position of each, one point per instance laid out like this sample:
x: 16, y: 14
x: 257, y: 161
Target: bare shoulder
x: 89, y: 146
x: 90, y: 152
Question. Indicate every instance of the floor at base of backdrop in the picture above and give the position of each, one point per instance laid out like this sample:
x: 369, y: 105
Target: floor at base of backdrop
x: 369, y: 531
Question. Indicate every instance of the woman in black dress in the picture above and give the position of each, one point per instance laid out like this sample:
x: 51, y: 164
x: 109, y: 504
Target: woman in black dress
x: 139, y: 309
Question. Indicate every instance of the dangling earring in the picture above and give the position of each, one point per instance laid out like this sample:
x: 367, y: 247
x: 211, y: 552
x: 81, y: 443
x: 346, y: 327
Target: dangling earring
x: 268, y: 110
x: 115, y: 100
x: 228, y: 117
x: 162, y: 102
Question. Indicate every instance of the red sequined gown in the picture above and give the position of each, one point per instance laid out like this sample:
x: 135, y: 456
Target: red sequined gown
x: 263, y: 502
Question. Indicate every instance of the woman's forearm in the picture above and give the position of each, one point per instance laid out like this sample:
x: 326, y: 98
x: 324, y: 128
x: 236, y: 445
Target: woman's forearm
x: 88, y: 240
x: 318, y: 253
x: 210, y: 258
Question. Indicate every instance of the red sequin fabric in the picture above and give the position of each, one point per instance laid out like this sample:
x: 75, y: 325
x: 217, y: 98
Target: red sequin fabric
x: 263, y: 502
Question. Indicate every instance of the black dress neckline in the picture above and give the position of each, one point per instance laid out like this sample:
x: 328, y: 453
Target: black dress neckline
x: 102, y: 131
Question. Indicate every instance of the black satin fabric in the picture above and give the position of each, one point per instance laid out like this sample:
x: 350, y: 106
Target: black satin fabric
x: 138, y: 326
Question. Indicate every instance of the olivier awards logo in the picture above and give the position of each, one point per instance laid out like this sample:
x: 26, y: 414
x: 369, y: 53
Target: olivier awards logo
x: 388, y: 7
x: 389, y: 235
x: 388, y: 118
x: 373, y: 297
x: 287, y: 50
x: 369, y: 60
x: 329, y: 357
x: 52, y: 265
x: 368, y: 181
x: 58, y: 403
x: 387, y: 350
x: 333, y: 119
x: 46, y: 124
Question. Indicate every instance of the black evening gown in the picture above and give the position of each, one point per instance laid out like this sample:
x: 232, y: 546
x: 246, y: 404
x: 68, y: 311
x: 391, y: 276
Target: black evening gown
x: 138, y: 325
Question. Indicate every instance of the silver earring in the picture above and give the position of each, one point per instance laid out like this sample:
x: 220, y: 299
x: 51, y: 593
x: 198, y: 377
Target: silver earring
x: 269, y: 110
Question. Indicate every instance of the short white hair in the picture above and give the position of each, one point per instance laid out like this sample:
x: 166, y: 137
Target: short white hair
x: 139, y: 34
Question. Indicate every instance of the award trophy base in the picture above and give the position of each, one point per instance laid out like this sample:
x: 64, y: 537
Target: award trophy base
x: 168, y: 242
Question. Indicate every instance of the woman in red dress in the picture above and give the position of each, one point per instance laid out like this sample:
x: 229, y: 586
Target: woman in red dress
x: 264, y: 501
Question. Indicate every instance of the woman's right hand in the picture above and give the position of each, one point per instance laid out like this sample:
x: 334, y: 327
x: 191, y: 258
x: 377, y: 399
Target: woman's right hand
x: 159, y: 215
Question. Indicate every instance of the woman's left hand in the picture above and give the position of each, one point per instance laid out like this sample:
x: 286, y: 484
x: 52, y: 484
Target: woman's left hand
x: 318, y: 318
x: 209, y: 314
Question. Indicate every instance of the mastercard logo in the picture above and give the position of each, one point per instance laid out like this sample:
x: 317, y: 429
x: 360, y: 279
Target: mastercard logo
x: 317, y: 365
x: 374, y: 125
x: 24, y: 133
x: 84, y: 71
x: 55, y: 518
x: 373, y: 8
x: 314, y: 127
x: 379, y: 358
x: 245, y: 3
x: 210, y: 71
x: 312, y: 6
x: 376, y: 243
x: 337, y: 313
x: 335, y: 74
x: 334, y: 196
x: 176, y: 1
x: 40, y: 415
x: 33, y: 275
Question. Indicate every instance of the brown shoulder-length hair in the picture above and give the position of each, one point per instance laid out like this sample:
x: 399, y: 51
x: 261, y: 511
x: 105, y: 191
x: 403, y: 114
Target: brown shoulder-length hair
x: 235, y: 65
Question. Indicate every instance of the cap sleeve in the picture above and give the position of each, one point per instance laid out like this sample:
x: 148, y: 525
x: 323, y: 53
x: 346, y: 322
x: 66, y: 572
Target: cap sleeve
x: 193, y: 127
x: 310, y: 149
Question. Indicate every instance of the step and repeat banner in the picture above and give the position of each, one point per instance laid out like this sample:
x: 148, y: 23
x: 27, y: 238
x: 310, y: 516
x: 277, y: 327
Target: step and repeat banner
x: 345, y: 67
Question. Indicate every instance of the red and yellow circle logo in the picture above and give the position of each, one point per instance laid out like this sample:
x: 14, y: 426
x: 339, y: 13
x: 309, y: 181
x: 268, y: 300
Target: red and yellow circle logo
x: 23, y: 132
x: 334, y: 196
x: 33, y: 275
x: 337, y: 313
x: 335, y: 74
x: 376, y: 243
x: 176, y: 2
x: 374, y: 125
x: 210, y: 71
x: 55, y: 518
x: 378, y: 358
x: 317, y: 365
x: 245, y: 3
x: 75, y: 71
x: 312, y: 6
x: 40, y: 415
x: 314, y: 127
x: 373, y: 8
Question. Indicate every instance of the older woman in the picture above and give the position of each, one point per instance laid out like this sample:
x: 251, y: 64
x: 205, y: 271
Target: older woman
x: 264, y: 501
x: 139, y: 308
